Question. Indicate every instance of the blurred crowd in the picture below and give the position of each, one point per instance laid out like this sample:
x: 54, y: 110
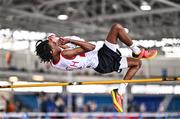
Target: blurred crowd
x: 59, y: 103
x: 45, y: 103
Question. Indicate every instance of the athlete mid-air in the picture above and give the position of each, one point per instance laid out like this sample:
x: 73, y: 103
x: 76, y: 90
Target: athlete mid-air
x: 107, y: 59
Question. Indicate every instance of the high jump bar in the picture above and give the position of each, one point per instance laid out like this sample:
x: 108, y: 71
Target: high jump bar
x: 105, y: 82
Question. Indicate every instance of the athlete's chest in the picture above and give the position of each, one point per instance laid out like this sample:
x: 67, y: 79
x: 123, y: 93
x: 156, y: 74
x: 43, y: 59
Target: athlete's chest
x: 77, y: 62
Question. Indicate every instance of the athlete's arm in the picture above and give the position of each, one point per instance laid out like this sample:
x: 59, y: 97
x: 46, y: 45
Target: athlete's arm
x: 63, y: 46
x: 84, y: 47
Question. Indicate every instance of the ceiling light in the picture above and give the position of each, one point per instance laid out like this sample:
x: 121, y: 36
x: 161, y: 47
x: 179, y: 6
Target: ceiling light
x: 115, y: 6
x: 145, y: 6
x: 62, y: 17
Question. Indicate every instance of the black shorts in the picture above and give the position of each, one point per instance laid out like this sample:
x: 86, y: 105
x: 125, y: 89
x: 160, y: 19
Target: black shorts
x: 109, y: 60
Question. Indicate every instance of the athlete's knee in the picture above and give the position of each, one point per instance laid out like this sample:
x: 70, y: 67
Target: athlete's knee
x: 134, y: 62
x: 139, y: 63
x: 117, y: 26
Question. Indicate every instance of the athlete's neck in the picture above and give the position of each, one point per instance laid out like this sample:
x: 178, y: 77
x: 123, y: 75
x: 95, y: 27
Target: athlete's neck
x: 56, y: 58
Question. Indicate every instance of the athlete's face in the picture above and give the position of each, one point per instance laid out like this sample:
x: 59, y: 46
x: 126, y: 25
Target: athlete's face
x: 53, y: 42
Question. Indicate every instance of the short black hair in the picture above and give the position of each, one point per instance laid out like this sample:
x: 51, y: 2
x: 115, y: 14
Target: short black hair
x: 43, y: 50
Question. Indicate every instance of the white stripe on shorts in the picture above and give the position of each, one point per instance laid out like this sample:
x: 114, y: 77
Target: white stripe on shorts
x: 123, y: 63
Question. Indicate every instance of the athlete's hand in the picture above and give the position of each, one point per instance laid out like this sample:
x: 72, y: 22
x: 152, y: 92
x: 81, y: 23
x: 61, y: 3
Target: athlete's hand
x: 64, y: 41
x: 53, y: 38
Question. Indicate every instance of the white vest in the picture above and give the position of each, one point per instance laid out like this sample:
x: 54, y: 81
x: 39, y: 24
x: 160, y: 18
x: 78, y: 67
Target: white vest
x: 83, y: 61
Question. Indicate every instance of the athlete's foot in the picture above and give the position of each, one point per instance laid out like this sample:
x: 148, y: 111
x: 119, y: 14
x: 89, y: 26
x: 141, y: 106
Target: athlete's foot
x: 117, y: 100
x: 146, y: 54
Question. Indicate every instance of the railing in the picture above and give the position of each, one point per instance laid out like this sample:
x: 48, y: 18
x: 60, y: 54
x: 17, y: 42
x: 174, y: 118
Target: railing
x: 99, y: 115
x: 102, y: 82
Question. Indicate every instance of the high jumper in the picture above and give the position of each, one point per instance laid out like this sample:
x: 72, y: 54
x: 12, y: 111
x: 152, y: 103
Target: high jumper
x: 106, y: 60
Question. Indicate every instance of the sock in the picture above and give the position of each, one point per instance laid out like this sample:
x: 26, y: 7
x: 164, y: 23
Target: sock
x: 122, y: 88
x: 135, y: 49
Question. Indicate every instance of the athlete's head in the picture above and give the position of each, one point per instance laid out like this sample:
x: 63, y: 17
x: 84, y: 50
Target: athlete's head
x: 43, y: 50
x: 47, y: 49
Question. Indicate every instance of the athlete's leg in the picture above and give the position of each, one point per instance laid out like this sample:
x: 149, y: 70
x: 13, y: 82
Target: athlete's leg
x: 117, y: 31
x: 134, y: 65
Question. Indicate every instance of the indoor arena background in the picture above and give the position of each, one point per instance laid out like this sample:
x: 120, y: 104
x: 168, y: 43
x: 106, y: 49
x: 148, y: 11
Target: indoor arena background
x: 150, y: 23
